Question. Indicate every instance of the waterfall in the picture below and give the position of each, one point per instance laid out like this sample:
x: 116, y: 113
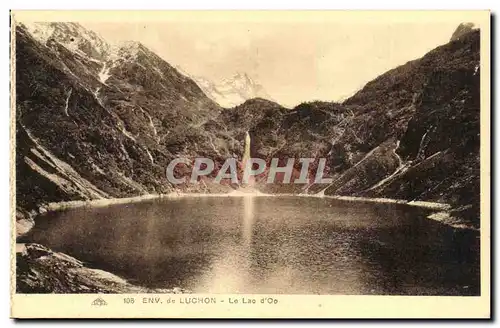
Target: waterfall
x: 246, y: 154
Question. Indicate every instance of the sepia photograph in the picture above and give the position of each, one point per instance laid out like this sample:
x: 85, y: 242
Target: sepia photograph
x: 217, y: 153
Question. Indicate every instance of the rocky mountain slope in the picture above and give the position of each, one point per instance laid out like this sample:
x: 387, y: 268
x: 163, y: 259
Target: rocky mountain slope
x: 412, y: 133
x: 95, y: 120
x: 232, y: 91
x: 99, y: 121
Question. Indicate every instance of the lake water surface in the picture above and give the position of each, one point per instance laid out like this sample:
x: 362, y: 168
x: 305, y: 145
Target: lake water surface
x: 293, y: 245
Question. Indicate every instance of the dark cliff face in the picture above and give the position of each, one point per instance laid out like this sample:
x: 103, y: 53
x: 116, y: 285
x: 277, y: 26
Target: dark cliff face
x: 104, y: 122
x: 442, y: 139
x: 439, y: 148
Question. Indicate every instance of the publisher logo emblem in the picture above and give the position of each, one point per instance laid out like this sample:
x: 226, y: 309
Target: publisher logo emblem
x: 99, y: 302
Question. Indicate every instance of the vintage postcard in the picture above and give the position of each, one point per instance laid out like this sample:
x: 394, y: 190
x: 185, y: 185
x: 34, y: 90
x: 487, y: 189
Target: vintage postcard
x: 250, y: 164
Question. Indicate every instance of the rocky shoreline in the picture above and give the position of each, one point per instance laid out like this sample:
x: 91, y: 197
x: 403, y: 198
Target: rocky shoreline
x: 41, y: 270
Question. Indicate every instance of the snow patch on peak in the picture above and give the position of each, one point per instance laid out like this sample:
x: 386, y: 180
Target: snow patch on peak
x: 128, y: 50
x: 130, y: 45
x: 40, y: 31
x: 104, y: 73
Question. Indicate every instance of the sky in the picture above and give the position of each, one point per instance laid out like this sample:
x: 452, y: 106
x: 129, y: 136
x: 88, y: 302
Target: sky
x: 295, y: 61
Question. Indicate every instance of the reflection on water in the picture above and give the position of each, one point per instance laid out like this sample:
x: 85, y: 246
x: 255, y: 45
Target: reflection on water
x: 248, y: 214
x: 270, y: 245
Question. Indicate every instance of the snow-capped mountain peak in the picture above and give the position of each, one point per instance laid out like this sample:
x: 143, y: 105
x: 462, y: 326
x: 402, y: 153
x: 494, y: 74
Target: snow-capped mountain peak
x: 232, y: 91
x: 73, y: 36
x: 82, y: 41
